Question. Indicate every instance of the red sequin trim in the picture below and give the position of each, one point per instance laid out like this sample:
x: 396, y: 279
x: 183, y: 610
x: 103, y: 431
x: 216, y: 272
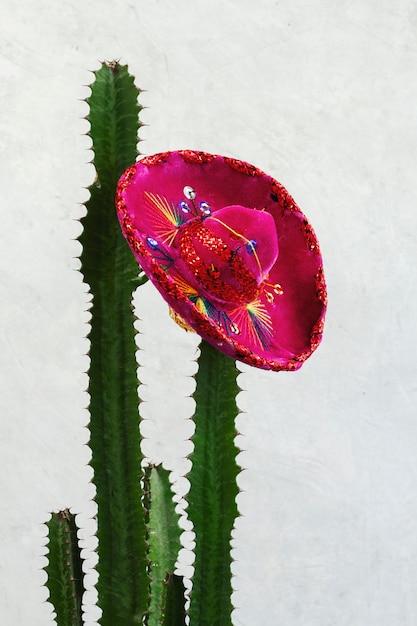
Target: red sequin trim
x: 316, y: 334
x: 123, y: 183
x: 209, y: 275
x: 249, y: 357
x: 298, y: 360
x: 166, y: 283
x: 137, y: 246
x: 207, y: 326
x: 193, y: 156
x: 155, y: 159
x: 120, y: 204
x: 127, y: 225
x: 295, y: 364
x: 321, y: 291
x: 281, y: 195
x: 310, y: 236
x: 243, y: 167
x: 128, y: 175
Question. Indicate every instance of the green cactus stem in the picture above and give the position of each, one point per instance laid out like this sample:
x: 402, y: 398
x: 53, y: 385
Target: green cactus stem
x: 164, y: 545
x: 112, y: 273
x: 212, y: 496
x: 64, y: 569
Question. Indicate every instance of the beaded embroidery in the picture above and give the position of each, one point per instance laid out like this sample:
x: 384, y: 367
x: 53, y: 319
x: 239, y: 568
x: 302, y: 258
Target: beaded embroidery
x: 183, y: 225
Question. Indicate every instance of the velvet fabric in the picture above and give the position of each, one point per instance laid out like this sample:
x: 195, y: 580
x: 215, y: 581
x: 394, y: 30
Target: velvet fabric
x: 230, y: 251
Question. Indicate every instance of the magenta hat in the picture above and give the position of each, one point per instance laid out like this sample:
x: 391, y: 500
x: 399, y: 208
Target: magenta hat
x: 231, y: 253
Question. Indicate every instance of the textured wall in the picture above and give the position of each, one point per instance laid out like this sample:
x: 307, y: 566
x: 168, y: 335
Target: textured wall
x: 321, y: 95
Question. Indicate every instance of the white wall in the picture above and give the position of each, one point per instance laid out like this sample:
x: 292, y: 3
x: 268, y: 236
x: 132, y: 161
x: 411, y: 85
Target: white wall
x: 322, y: 95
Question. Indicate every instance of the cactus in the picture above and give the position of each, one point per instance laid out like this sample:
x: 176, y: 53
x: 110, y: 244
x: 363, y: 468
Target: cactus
x: 114, y: 426
x: 213, y: 489
x: 64, y: 569
x: 164, y: 545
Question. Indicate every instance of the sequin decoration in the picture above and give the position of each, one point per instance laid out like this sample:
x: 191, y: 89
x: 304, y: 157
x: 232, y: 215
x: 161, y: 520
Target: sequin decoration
x: 321, y: 290
x: 192, y: 156
x: 310, y: 237
x: 152, y: 243
x: 242, y: 167
x: 155, y: 159
x: 205, y: 208
x: 196, y: 231
x: 251, y: 246
x: 280, y: 195
x: 126, y: 179
x: 189, y: 192
x: 184, y: 206
x: 316, y: 334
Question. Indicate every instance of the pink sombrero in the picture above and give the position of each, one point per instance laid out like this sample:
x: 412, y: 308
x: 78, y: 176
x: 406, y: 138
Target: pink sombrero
x: 231, y: 253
